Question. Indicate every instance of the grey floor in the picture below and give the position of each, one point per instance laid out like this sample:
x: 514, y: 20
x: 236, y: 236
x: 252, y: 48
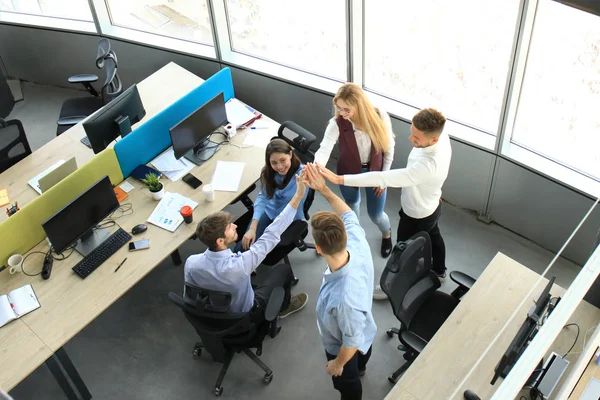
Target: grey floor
x: 140, y: 347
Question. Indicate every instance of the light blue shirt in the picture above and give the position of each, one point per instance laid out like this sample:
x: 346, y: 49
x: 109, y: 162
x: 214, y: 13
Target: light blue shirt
x: 275, y: 205
x: 230, y: 272
x: 345, y: 300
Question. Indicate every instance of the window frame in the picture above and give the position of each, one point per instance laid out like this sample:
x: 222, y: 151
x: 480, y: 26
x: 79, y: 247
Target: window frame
x: 45, y: 21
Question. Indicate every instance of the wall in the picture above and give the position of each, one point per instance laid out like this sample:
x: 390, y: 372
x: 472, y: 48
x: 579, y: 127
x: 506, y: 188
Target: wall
x: 522, y: 201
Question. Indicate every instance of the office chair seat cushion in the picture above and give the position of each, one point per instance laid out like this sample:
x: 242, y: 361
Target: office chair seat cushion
x: 296, y: 231
x: 432, y: 314
x: 80, y: 106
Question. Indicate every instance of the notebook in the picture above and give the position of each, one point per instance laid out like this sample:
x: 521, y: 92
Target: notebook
x: 17, y: 303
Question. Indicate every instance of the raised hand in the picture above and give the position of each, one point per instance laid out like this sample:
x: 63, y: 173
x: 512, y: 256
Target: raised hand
x: 313, y: 177
x: 330, y: 176
x: 300, y: 185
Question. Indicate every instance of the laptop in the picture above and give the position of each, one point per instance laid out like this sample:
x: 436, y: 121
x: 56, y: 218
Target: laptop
x: 53, y: 175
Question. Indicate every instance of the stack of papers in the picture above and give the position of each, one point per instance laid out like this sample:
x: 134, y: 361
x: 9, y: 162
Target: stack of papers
x: 35, y: 181
x: 239, y: 114
x: 171, y: 167
x: 166, y: 214
x: 227, y: 176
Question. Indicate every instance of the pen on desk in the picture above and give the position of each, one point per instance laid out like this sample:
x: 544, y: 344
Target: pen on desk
x: 259, y: 127
x: 122, y: 262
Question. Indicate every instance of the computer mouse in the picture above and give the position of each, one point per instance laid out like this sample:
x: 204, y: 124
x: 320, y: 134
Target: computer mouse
x: 139, y: 229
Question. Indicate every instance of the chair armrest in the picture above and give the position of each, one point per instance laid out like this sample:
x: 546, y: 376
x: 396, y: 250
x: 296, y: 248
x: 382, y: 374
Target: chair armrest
x: 71, y: 120
x: 83, y: 78
x: 274, y: 304
x: 462, y: 279
x: 414, y: 341
x: 294, y: 232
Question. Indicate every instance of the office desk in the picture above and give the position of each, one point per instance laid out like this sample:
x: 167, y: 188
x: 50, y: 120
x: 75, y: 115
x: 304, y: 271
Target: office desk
x: 591, y: 371
x: 69, y: 303
x: 464, y: 336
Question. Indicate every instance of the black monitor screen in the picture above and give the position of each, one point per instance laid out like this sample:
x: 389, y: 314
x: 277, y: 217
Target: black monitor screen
x: 114, y: 119
x: 81, y: 215
x: 198, y: 125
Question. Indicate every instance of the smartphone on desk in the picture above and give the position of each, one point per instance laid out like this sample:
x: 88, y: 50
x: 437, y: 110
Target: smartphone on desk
x: 192, y: 181
x: 139, y: 245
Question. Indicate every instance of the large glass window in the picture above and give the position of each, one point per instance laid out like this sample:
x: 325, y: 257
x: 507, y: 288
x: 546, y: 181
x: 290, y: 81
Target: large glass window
x: 72, y: 9
x: 308, y: 35
x: 558, y: 114
x: 452, y: 55
x: 182, y: 19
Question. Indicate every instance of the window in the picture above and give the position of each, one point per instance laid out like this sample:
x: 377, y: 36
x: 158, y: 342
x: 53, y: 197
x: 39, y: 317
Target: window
x: 558, y: 113
x: 74, y: 9
x: 309, y: 35
x: 182, y: 19
x: 451, y: 55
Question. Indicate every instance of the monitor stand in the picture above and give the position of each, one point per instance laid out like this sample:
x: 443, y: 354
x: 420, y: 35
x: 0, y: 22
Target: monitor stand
x: 202, y: 152
x: 124, y: 125
x: 90, y: 241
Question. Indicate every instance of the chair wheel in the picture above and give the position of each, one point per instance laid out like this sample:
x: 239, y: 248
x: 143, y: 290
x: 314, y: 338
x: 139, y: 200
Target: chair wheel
x: 218, y: 391
x: 295, y: 281
x: 401, y: 347
x: 197, y: 353
x: 391, y: 379
x: 389, y: 333
x: 258, y: 352
x: 268, y: 378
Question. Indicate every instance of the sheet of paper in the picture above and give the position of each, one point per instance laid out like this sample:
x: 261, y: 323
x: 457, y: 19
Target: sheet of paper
x: 166, y: 214
x: 227, y: 176
x: 126, y: 186
x: 6, y: 312
x: 24, y: 300
x: 592, y: 390
x: 171, y: 167
x: 35, y: 181
x: 4, y: 199
x: 238, y: 113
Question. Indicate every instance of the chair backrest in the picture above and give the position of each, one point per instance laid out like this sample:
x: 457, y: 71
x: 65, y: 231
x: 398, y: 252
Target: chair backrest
x: 7, y: 101
x: 103, y: 50
x: 13, y: 143
x: 301, y: 140
x: 208, y: 312
x: 112, y: 86
x: 407, y: 278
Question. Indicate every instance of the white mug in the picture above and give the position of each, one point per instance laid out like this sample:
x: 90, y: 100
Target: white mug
x: 208, y: 192
x: 15, y: 263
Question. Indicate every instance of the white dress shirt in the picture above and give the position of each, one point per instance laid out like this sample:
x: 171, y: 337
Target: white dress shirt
x: 421, y: 181
x: 363, y: 142
x: 226, y: 271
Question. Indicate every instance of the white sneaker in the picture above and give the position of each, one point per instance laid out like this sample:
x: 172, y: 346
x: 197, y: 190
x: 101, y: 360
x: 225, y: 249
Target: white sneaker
x: 378, y: 293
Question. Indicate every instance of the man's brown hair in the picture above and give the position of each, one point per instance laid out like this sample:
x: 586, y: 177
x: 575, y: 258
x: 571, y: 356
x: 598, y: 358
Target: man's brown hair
x: 212, y: 228
x: 430, y: 121
x: 329, y: 232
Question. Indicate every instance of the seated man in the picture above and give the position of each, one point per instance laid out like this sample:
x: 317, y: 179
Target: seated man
x: 344, y: 315
x: 218, y: 268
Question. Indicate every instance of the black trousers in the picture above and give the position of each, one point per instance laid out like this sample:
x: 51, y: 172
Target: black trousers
x: 408, y: 226
x: 278, y: 275
x: 348, y: 383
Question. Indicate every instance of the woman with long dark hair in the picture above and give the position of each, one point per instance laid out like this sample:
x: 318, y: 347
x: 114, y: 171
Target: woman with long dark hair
x: 278, y: 187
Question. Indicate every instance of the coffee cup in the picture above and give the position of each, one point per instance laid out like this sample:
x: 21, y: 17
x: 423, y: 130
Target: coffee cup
x: 15, y: 263
x: 208, y: 192
x: 187, y: 214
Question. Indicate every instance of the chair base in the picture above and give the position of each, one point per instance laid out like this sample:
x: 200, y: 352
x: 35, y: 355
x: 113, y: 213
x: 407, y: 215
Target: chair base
x: 218, y: 388
x: 409, y: 357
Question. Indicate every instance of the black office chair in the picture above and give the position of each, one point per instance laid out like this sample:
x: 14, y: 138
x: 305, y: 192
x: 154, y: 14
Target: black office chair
x: 13, y: 143
x: 300, y: 139
x: 411, y: 288
x: 75, y: 110
x: 7, y: 101
x: 224, y: 333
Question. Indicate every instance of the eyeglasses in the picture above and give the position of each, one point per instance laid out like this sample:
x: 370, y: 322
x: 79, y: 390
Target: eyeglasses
x: 342, y: 110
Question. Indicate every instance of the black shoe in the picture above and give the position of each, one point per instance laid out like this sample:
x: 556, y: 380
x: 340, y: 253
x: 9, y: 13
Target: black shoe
x: 386, y: 247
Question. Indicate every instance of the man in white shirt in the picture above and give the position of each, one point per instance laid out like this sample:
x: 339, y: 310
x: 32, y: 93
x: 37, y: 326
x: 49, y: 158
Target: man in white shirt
x: 421, y: 182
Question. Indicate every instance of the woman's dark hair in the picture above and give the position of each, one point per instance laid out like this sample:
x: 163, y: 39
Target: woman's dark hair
x: 267, y: 176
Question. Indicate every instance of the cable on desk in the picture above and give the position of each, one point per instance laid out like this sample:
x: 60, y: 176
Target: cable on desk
x: 576, y: 337
x: 27, y: 256
x: 123, y: 210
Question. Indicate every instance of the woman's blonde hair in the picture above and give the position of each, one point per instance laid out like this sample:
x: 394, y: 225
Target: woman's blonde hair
x: 365, y: 117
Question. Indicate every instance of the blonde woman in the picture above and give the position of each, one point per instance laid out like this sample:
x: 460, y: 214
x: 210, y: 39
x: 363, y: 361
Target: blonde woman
x: 366, y: 143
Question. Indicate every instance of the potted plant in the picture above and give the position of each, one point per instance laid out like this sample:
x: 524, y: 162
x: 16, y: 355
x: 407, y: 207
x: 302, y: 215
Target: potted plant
x: 155, y: 187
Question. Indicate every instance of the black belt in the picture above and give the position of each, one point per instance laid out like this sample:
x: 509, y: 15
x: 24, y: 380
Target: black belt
x: 366, y: 165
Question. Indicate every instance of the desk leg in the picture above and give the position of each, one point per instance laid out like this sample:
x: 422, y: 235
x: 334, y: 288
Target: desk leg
x: 61, y: 378
x: 176, y: 257
x: 71, y: 371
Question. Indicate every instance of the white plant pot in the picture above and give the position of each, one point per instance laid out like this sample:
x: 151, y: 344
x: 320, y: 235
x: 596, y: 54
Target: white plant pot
x: 158, y: 195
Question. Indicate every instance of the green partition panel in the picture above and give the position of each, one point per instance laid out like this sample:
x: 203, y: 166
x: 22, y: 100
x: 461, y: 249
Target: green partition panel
x: 23, y: 231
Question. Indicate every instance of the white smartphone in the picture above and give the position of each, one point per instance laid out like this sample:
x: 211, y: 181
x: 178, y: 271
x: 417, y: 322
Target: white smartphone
x: 139, y: 245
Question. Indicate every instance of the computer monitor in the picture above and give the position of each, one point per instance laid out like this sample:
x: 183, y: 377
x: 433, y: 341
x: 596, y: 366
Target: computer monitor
x: 190, y: 136
x: 525, y: 334
x: 78, y: 219
x: 114, y: 119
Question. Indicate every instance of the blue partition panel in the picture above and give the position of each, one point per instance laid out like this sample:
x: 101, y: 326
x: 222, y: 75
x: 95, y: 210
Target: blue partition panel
x: 152, y: 138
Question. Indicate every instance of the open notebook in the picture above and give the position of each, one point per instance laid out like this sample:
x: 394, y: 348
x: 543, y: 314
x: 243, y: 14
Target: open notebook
x: 17, y: 303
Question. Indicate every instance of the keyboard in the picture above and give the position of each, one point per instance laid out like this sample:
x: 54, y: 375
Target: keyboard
x: 101, y: 253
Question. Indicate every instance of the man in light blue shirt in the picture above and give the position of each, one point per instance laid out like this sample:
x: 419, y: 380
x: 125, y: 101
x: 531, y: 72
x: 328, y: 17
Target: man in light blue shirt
x: 218, y: 268
x: 344, y: 316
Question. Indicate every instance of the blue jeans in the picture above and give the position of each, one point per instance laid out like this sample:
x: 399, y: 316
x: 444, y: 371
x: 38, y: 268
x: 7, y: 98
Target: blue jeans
x: 375, y: 205
x: 263, y: 222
